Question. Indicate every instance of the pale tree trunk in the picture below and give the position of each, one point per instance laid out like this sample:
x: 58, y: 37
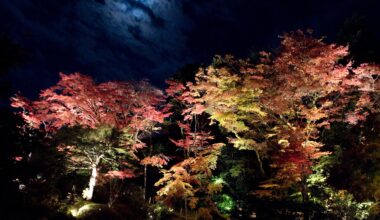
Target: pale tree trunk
x: 94, y: 174
x: 88, y: 192
x: 145, y: 171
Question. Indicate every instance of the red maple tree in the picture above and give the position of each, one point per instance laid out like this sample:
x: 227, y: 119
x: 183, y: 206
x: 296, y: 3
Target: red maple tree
x: 76, y: 100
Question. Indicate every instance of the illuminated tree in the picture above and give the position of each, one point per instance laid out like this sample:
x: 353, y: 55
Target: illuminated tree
x: 94, y: 148
x: 229, y: 91
x: 280, y: 104
x: 190, y: 181
x: 311, y: 88
x: 77, y: 100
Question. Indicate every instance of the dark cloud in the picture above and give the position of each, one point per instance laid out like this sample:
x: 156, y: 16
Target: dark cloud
x: 133, y: 39
x: 136, y: 32
x: 156, y: 20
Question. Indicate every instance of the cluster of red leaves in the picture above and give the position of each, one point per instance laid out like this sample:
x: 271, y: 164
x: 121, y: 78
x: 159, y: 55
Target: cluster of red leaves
x: 17, y: 158
x: 159, y: 160
x: 120, y: 174
x: 78, y: 100
x: 192, y: 140
x: 187, y: 96
x: 309, y: 68
x: 295, y: 156
x: 311, y: 88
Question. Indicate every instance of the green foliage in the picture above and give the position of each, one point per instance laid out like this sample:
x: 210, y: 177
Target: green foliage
x: 236, y: 170
x: 339, y: 203
x: 225, y: 203
x: 86, y: 146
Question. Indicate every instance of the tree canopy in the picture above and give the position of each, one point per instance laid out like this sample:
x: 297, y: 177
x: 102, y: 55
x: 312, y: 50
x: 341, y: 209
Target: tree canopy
x: 238, y: 137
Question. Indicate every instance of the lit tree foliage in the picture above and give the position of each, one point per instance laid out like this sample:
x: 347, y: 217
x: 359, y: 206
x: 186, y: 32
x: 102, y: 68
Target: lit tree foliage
x: 311, y: 88
x: 284, y: 101
x: 77, y: 100
x: 340, y: 203
x: 189, y: 181
x: 94, y: 149
x: 230, y: 92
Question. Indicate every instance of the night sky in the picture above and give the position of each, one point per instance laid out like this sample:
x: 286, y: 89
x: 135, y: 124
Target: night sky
x: 134, y: 39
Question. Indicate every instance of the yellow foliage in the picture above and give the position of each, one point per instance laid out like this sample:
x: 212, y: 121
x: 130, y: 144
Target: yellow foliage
x: 193, y: 201
x: 214, y: 188
x: 269, y: 185
x: 248, y: 144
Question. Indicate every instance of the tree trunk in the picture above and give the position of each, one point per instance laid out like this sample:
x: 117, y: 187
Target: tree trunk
x: 260, y: 162
x: 145, y: 172
x: 91, y: 185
